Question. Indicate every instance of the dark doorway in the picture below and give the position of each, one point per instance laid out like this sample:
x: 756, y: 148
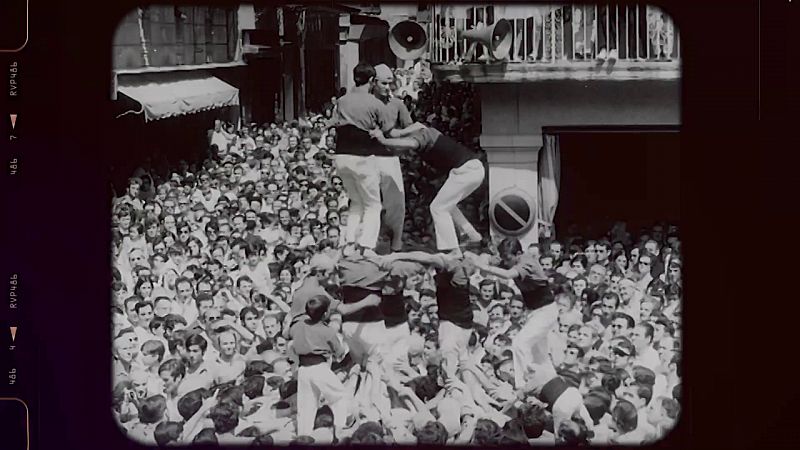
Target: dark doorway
x: 617, y: 176
x: 265, y: 86
x: 320, y: 64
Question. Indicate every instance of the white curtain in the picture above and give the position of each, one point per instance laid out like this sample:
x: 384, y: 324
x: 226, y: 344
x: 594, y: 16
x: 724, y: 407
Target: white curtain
x: 549, y: 183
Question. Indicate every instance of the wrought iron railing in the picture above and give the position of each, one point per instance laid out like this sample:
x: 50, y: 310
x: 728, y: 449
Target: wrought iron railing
x: 556, y: 33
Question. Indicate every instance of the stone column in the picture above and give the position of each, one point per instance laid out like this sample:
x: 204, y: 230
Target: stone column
x: 512, y: 149
x: 513, y: 168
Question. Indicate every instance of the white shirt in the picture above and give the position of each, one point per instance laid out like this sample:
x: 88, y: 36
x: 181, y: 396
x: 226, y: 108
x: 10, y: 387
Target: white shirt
x: 306, y: 241
x: 172, y: 413
x: 249, y: 142
x: 141, y: 432
x: 648, y: 358
x: 262, y: 279
x: 219, y: 139
x: 633, y: 308
x: 143, y: 335
x: 209, y: 204
x: 188, y: 311
x: 271, y: 235
x: 229, y: 371
x: 642, y: 284
x: 203, y: 377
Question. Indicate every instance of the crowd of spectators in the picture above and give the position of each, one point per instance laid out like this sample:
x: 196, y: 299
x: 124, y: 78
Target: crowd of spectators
x: 208, y: 262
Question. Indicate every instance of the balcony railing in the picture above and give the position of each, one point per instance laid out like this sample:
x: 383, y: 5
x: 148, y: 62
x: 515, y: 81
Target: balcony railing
x: 557, y: 33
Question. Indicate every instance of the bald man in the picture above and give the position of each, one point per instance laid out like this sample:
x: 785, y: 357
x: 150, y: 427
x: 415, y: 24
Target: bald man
x: 392, y: 190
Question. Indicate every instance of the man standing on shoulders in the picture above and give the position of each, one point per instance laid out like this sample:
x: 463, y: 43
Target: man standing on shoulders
x: 392, y: 188
x: 358, y: 112
x: 464, y: 174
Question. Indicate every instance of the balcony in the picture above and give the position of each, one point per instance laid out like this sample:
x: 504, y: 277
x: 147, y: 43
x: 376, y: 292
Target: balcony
x: 556, y: 41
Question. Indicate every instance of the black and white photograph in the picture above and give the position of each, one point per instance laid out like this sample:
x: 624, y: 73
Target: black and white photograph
x: 396, y: 224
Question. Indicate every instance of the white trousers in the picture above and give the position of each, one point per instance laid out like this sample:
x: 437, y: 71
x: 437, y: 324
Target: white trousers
x: 395, y: 346
x: 530, y: 344
x: 361, y: 180
x: 366, y: 341
x: 314, y: 382
x: 394, y: 196
x: 461, y: 182
x: 454, y: 345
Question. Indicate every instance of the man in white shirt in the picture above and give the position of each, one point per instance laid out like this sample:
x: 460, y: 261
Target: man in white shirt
x: 645, y: 263
x: 172, y: 373
x: 662, y: 414
x: 220, y: 137
x: 642, y: 338
x: 257, y: 270
x: 184, y: 304
x: 205, y: 194
x: 630, y: 298
x: 230, y: 364
x: 247, y: 139
x: 199, y: 373
x: 132, y: 194
x: 144, y: 314
x: 639, y: 395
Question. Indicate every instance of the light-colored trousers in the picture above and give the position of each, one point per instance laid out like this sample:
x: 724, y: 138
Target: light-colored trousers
x: 314, y: 382
x: 530, y: 344
x: 395, y: 346
x: 394, y: 196
x: 461, y: 182
x: 362, y: 181
x: 453, y: 343
x: 366, y: 341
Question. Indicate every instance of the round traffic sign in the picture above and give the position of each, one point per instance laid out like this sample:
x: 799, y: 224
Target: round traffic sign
x: 512, y: 211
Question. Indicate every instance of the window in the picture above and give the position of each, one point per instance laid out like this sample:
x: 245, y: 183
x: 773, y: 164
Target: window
x: 175, y: 36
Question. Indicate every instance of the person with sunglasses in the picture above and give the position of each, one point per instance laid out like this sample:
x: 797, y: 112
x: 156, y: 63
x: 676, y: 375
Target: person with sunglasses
x: 645, y: 265
x: 622, y: 353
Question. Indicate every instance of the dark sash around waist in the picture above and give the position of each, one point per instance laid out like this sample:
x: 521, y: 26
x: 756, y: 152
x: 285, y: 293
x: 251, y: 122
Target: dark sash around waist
x: 351, y: 140
x: 552, y: 390
x: 311, y: 359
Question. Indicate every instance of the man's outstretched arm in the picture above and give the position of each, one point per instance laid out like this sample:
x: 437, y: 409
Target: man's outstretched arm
x: 436, y: 260
x: 396, y: 144
x: 496, y: 271
x: 349, y: 308
x: 403, y: 132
